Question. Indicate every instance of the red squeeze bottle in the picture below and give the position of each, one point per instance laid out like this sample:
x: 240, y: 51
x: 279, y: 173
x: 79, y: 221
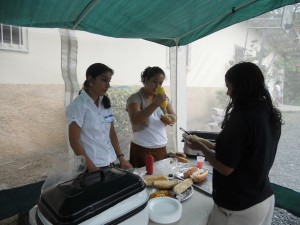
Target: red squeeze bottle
x: 149, y: 164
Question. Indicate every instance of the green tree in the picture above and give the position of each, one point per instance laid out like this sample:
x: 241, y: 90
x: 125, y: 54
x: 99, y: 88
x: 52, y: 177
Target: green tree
x: 282, y: 46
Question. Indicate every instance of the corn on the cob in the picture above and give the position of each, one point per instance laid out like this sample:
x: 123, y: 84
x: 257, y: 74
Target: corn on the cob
x: 163, y: 105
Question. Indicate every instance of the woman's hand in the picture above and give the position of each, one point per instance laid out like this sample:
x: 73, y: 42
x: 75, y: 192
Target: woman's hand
x: 168, y: 119
x: 210, y: 156
x: 194, y: 144
x: 124, y: 164
x: 159, y: 99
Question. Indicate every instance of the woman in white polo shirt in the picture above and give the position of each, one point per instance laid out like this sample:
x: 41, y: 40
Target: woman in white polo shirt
x: 90, y: 121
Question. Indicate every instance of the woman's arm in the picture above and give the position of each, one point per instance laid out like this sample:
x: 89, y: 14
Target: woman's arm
x: 171, y: 113
x: 115, y: 143
x: 74, y: 136
x: 210, y: 156
x: 138, y: 116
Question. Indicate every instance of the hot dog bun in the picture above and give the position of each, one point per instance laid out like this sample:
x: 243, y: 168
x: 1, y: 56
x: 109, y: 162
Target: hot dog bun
x: 182, y: 186
x: 197, y: 175
x: 165, y: 184
x: 168, y: 119
x: 202, y: 140
x: 149, y: 180
x: 189, y: 172
x: 181, y: 157
x: 180, y: 154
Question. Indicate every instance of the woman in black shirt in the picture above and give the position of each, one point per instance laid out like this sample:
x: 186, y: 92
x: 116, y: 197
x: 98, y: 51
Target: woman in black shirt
x: 245, y: 151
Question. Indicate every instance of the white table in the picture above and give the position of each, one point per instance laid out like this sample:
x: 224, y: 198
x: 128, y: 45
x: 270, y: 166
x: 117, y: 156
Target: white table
x: 196, y: 209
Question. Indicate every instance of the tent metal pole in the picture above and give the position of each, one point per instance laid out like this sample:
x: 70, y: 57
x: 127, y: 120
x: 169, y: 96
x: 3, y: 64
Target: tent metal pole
x: 85, y: 12
x: 178, y: 90
x: 234, y: 9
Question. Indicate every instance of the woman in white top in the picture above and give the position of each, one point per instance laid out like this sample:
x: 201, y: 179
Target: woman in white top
x: 90, y: 121
x: 143, y: 107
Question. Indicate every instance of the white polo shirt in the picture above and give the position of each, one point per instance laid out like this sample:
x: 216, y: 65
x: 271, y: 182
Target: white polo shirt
x: 95, y: 123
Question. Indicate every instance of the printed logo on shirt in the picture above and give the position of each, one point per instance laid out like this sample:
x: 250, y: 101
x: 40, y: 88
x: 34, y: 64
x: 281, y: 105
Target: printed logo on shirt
x: 109, y: 118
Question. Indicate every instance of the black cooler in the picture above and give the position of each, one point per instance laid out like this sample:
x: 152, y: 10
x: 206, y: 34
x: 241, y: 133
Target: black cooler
x: 112, y: 196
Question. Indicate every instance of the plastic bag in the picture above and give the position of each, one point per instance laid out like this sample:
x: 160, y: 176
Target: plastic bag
x: 165, y: 167
x: 65, y: 167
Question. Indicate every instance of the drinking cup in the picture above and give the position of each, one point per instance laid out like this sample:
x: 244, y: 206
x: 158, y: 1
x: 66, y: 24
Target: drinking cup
x: 200, y: 161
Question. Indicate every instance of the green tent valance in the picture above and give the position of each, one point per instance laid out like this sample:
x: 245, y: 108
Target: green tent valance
x: 166, y: 22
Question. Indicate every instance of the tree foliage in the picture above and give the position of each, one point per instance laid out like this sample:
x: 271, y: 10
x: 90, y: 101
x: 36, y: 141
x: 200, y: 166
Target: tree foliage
x: 281, y: 45
x: 118, y: 97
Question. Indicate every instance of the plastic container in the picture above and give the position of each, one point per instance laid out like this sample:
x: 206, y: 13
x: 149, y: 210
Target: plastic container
x: 200, y: 161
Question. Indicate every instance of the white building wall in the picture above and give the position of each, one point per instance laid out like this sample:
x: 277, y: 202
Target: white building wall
x: 40, y: 65
x: 128, y: 57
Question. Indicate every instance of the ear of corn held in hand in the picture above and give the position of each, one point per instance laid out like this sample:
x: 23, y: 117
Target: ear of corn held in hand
x: 163, y: 105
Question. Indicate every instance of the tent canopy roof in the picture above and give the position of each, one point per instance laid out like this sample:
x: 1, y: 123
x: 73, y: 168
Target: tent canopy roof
x: 162, y: 21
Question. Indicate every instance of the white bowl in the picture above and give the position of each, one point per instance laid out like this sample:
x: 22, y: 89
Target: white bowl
x: 164, y: 210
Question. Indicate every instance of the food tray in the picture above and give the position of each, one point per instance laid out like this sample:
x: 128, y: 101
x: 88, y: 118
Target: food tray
x: 204, y: 186
x: 180, y: 197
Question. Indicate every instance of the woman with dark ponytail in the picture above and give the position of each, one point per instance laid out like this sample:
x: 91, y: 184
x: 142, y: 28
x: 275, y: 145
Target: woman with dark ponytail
x: 90, y: 121
x: 145, y: 112
x: 245, y: 151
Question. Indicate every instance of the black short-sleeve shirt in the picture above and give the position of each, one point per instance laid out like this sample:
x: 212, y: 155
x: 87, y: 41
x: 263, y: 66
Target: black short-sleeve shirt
x: 248, y: 143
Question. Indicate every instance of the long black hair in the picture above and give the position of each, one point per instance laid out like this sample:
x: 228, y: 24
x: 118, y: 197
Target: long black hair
x: 95, y: 70
x: 248, y: 87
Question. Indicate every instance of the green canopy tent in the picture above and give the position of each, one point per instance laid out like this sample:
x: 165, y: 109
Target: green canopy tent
x: 169, y: 23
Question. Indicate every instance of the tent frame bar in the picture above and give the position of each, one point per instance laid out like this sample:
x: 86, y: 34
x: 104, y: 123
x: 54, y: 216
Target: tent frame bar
x: 85, y: 12
x: 234, y: 9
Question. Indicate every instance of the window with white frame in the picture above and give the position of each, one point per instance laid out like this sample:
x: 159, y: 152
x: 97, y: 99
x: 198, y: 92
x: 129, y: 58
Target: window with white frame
x: 13, y: 38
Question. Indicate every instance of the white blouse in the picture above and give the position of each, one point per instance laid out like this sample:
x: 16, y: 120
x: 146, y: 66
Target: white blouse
x: 95, y: 123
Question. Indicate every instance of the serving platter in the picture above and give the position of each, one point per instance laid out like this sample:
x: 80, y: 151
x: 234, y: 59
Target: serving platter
x: 204, y: 186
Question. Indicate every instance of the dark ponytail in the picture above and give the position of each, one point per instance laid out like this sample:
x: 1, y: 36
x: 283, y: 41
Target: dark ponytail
x: 106, y: 102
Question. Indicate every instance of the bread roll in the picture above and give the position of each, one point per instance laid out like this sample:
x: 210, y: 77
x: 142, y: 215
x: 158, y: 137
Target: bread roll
x: 182, y: 186
x: 199, y: 175
x: 180, y: 154
x: 202, y: 140
x: 176, y: 154
x: 166, y: 119
x: 165, y: 184
x: 189, y: 172
x: 149, y: 180
x: 181, y: 159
